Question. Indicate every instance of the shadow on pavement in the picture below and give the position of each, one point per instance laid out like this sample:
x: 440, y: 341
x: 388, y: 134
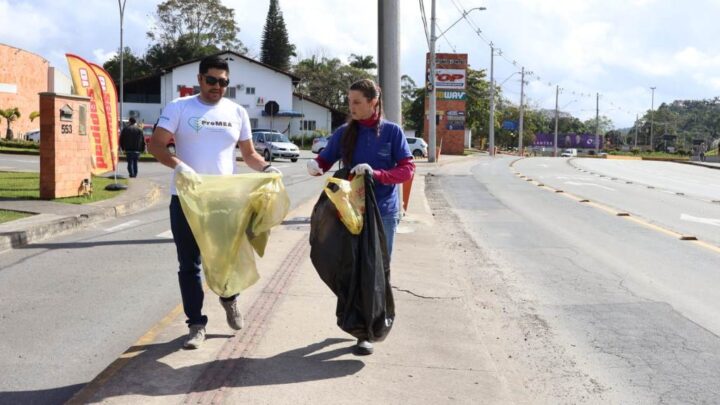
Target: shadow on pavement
x: 148, y: 374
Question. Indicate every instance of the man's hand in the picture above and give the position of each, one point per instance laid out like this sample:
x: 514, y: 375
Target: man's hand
x: 313, y: 168
x: 362, y: 168
x: 271, y: 169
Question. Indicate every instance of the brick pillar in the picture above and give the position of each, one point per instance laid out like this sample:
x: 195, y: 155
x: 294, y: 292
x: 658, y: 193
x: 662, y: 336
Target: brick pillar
x: 64, y: 145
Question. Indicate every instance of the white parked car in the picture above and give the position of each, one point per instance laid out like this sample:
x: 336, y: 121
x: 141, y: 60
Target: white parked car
x: 572, y: 152
x: 319, y: 144
x: 275, y: 145
x: 418, y: 147
x: 33, y: 135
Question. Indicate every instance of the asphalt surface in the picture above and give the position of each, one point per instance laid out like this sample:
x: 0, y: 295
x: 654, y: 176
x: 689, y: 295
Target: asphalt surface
x: 526, y: 304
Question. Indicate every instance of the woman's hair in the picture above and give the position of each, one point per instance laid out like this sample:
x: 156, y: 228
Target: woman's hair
x: 370, y: 91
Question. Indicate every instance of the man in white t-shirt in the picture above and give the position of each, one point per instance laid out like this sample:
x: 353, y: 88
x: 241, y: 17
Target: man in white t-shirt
x: 206, y: 128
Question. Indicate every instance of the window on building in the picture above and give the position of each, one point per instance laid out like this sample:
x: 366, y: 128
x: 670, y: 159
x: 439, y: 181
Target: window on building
x: 253, y: 122
x: 250, y: 90
x: 307, y: 125
x: 230, y: 92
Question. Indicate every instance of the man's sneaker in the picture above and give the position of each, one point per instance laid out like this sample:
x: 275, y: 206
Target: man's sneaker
x: 363, y: 348
x: 196, y: 337
x: 232, y: 313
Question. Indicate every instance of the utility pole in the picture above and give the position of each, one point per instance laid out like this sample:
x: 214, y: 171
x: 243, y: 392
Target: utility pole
x: 636, y: 131
x: 491, y: 123
x: 522, y: 110
x: 652, y: 117
x: 555, y: 144
x: 389, y: 58
x: 597, y: 123
x: 432, y: 113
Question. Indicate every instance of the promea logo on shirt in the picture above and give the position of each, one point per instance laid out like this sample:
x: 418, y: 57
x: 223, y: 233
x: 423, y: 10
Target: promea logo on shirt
x: 198, y: 123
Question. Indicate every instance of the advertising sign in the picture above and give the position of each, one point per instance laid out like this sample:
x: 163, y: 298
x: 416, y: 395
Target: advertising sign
x: 450, y: 79
x: 87, y: 83
x: 579, y: 141
x: 451, y: 95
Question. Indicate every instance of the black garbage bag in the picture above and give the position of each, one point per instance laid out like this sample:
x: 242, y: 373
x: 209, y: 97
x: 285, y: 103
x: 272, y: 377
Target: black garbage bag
x: 355, y: 267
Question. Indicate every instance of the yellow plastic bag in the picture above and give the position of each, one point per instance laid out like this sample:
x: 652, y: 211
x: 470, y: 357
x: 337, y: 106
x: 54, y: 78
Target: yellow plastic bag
x: 349, y: 199
x: 230, y: 216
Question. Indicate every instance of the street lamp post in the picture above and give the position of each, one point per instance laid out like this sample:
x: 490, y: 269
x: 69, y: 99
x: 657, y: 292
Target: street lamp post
x: 121, y: 4
x: 522, y: 109
x: 432, y: 113
x: 652, y: 117
x: 115, y: 186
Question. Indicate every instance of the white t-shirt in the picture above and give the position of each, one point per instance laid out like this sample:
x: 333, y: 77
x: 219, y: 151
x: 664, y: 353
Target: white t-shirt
x: 205, y: 135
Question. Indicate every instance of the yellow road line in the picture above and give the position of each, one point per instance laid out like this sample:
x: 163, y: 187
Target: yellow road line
x: 627, y: 216
x: 84, y: 395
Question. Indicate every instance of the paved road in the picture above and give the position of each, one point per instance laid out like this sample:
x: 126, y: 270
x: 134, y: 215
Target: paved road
x: 74, y: 303
x: 588, y: 305
x: 682, y: 198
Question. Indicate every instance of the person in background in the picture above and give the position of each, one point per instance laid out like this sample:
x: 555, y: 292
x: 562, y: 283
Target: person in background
x: 369, y: 144
x: 206, y: 127
x: 132, y: 142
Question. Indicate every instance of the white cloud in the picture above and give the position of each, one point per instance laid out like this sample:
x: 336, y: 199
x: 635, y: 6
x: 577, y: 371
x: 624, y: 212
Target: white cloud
x: 618, y: 48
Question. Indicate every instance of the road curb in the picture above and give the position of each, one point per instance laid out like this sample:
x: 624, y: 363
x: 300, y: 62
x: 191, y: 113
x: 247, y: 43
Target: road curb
x: 21, y: 232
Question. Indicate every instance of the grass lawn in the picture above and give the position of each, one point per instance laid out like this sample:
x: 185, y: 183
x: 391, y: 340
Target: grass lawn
x: 21, y: 185
x: 6, y: 216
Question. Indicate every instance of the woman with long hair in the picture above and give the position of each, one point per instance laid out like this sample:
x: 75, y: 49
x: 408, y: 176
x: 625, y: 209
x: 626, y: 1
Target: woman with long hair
x: 369, y: 144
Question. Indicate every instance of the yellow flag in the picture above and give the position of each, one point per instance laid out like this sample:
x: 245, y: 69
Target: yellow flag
x: 86, y: 83
x: 110, y: 100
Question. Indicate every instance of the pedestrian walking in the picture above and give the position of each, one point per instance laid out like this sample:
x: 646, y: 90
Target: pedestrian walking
x: 369, y: 144
x: 132, y: 142
x: 206, y: 128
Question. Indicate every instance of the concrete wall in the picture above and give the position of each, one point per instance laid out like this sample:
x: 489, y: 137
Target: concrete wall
x: 22, y: 76
x: 59, y: 82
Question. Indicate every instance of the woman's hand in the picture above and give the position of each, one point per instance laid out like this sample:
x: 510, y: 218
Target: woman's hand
x: 313, y: 168
x: 362, y: 168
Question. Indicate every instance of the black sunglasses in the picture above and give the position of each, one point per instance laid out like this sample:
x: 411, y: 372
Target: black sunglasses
x: 211, y: 80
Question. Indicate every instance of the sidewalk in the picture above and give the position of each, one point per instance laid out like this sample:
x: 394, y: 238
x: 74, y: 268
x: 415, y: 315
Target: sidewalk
x: 291, y: 351
x: 53, y: 217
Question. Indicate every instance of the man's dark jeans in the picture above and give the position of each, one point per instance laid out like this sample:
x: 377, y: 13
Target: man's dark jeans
x: 132, y: 162
x: 188, y: 254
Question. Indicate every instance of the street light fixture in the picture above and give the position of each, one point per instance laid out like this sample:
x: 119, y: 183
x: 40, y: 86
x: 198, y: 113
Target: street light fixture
x: 432, y: 116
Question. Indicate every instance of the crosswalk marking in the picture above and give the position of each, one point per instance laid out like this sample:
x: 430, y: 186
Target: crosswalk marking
x: 165, y: 235
x: 123, y: 226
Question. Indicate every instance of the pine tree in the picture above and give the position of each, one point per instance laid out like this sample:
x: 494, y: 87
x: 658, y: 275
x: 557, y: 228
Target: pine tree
x: 276, y: 47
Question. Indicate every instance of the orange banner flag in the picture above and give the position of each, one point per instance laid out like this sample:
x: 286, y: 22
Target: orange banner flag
x: 110, y: 100
x: 86, y: 83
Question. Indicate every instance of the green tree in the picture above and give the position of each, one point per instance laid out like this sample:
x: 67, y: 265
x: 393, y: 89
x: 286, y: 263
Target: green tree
x: 133, y: 66
x: 477, y: 104
x: 276, y: 48
x: 327, y: 80
x: 197, y: 24
x: 362, y: 62
x: 605, y: 124
x: 161, y: 55
x: 10, y: 115
x: 408, y: 94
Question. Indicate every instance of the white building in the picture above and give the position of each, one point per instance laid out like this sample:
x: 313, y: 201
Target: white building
x: 316, y: 116
x: 252, y: 84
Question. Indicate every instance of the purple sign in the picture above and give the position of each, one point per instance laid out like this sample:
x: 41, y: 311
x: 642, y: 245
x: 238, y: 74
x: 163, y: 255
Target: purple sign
x: 579, y: 141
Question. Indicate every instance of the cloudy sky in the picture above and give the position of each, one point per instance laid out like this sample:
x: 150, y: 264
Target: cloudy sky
x: 618, y: 48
